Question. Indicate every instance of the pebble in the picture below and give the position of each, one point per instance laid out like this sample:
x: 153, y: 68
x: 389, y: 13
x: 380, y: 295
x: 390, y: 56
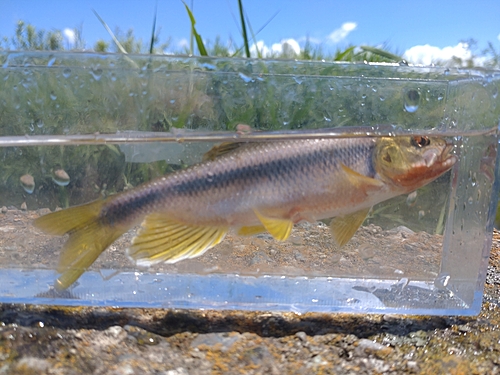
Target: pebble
x: 301, y: 335
x: 367, y: 347
x: 177, y: 371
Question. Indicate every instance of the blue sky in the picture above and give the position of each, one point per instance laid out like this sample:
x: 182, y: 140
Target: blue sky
x: 400, y: 24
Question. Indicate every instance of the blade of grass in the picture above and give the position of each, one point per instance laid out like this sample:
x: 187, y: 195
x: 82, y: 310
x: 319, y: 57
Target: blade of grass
x: 244, y: 29
x: 151, y: 45
x: 197, y: 37
x: 341, y: 56
x: 254, y: 36
x: 259, y: 54
x: 382, y: 53
x: 118, y: 44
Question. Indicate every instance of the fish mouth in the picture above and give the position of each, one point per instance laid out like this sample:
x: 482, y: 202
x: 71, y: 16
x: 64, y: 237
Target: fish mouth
x: 440, y: 160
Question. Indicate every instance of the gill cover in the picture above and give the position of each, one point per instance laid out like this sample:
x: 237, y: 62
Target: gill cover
x: 412, y: 160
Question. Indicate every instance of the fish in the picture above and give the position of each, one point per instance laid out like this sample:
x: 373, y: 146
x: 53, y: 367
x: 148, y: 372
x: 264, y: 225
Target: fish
x: 249, y: 188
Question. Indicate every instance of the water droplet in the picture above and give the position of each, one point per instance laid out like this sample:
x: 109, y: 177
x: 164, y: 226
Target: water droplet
x: 66, y: 72
x: 495, y: 92
x: 172, y: 101
x: 382, y: 98
x: 402, y: 283
x: 113, y: 77
x: 208, y: 66
x: 28, y: 183
x: 298, y: 80
x: 53, y: 96
x: 39, y: 124
x: 421, y: 214
x: 245, y: 78
x: 41, y: 324
x: 314, y: 300
x: 447, y: 72
x: 327, y: 119
x: 412, y: 99
x: 442, y: 281
x: 96, y: 73
x: 60, y: 177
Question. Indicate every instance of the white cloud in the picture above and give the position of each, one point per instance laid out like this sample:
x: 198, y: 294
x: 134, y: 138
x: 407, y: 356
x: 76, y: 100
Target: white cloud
x: 183, y: 43
x: 70, y: 35
x: 427, y: 54
x: 342, y: 32
x: 286, y: 48
x: 261, y: 47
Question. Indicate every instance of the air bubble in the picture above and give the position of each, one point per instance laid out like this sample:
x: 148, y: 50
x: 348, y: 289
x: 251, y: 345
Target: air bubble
x: 60, y: 177
x: 28, y: 183
x: 411, y: 199
x: 412, y: 99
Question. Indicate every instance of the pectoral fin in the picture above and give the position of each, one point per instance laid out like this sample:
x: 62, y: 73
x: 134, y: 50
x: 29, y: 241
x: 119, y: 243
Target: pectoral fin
x: 359, y: 180
x: 164, y: 240
x: 344, y: 227
x: 280, y: 229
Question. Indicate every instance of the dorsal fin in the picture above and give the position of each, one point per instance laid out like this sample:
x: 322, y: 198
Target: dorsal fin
x: 221, y: 149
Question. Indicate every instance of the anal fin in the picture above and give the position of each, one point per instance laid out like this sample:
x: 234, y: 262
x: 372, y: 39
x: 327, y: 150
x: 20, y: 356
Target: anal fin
x: 161, y: 239
x: 251, y: 230
x: 280, y: 229
x: 344, y: 227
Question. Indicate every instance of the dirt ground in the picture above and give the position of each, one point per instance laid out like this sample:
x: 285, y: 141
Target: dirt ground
x: 85, y: 340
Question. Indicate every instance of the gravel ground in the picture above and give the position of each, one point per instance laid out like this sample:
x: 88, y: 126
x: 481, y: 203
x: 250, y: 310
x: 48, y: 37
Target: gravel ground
x: 61, y: 340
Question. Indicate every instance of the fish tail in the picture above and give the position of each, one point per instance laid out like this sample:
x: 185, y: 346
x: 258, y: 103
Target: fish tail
x: 89, y: 236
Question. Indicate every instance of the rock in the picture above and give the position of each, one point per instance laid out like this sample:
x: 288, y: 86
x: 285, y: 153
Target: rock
x: 223, y: 340
x: 33, y: 365
x: 367, y: 347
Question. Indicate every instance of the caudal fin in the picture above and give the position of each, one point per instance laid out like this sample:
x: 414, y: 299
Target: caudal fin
x: 88, y: 238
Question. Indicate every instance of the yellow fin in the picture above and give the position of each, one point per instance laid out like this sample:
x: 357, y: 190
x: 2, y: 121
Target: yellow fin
x: 251, y: 230
x: 164, y: 240
x: 280, y: 229
x: 88, y: 238
x: 344, y: 227
x: 221, y: 149
x: 357, y: 179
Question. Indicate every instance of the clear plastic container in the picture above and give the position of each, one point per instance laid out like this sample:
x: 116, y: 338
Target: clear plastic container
x: 76, y: 127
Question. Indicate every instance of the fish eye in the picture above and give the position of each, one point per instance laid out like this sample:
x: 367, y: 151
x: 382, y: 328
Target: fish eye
x: 420, y: 141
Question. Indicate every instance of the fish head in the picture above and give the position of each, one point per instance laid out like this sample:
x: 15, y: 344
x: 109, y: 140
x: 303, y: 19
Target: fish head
x: 410, y: 162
